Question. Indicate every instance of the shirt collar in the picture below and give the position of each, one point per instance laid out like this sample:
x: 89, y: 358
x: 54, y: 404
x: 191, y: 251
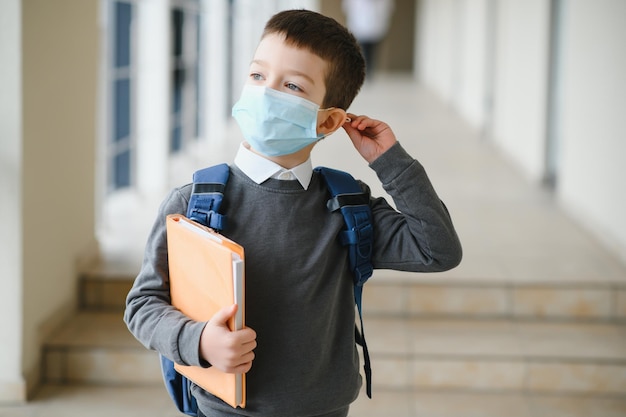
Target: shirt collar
x: 260, y: 169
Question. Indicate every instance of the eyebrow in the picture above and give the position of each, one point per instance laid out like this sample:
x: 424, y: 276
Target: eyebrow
x: 293, y: 71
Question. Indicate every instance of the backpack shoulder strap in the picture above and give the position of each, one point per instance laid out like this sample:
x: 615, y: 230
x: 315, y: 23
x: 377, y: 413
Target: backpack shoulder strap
x: 207, y: 195
x: 348, y: 197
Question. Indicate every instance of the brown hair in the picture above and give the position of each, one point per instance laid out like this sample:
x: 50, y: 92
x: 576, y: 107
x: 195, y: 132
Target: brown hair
x: 328, y: 39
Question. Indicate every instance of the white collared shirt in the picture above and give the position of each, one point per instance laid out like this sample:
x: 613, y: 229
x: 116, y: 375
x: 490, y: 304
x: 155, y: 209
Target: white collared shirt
x: 260, y: 169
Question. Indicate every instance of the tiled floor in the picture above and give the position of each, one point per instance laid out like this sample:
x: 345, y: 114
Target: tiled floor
x: 84, y: 401
x: 523, y: 258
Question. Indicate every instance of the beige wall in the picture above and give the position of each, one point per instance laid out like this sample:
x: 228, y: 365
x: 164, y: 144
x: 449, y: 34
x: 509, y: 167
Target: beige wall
x: 52, y: 166
x: 396, y: 51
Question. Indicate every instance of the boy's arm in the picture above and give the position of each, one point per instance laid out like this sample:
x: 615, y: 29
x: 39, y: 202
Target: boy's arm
x: 149, y: 314
x: 157, y: 325
x: 419, y: 236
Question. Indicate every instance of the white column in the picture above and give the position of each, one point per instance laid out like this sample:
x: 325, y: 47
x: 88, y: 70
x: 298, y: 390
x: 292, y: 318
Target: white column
x: 215, y: 64
x: 471, y: 86
x: 249, y: 18
x: 152, y: 93
x: 520, y: 82
x: 12, y: 385
x: 438, y: 47
x: 592, y: 123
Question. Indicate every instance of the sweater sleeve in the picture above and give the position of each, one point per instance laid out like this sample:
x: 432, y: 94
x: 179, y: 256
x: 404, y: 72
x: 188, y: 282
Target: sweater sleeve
x: 149, y: 315
x: 419, y: 236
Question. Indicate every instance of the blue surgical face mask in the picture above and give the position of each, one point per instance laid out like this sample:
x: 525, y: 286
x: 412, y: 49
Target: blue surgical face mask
x: 276, y: 123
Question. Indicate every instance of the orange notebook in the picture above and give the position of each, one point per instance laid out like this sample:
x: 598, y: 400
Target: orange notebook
x: 207, y: 274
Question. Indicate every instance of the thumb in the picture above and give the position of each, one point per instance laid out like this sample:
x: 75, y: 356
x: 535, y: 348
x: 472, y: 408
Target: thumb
x: 222, y: 317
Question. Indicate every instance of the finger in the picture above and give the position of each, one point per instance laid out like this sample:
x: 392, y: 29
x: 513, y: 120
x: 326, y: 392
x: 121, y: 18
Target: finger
x: 355, y: 125
x: 247, y: 358
x: 224, y: 315
x: 353, y: 134
x: 350, y: 117
x: 248, y: 340
x: 361, y: 122
x: 240, y: 364
x: 240, y: 369
x: 243, y: 341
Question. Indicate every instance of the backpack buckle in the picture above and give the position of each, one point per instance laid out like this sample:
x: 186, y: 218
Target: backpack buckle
x: 209, y: 218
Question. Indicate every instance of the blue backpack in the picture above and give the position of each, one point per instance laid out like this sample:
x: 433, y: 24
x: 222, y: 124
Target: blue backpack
x: 346, y: 196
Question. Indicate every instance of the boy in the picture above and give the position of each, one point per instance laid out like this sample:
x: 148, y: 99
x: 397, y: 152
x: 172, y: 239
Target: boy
x: 299, y: 350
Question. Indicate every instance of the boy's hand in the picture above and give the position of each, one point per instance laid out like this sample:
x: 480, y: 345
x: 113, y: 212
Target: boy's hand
x: 229, y: 351
x: 370, y: 137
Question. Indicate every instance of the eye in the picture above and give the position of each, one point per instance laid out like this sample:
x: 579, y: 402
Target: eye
x: 256, y: 76
x: 293, y: 87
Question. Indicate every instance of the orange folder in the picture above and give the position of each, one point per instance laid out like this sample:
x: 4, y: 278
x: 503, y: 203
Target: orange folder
x: 207, y: 274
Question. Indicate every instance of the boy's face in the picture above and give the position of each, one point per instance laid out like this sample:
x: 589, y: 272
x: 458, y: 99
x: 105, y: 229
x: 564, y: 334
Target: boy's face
x: 289, y: 69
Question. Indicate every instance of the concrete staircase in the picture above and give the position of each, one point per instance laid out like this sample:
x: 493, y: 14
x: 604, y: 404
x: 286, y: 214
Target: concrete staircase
x: 425, y: 332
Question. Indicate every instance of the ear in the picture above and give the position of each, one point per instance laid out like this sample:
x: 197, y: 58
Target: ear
x: 329, y: 120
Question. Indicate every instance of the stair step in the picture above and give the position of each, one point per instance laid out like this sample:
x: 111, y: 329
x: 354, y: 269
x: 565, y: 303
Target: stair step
x: 97, y: 348
x: 494, y: 355
x: 425, y: 295
x: 444, y: 295
x: 407, y: 354
x: 105, y: 286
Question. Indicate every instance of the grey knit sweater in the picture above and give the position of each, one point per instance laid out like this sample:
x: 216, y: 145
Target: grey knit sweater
x: 299, y: 293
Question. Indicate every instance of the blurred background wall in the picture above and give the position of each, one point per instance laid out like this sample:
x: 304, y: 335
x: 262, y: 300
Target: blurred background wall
x: 544, y: 81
